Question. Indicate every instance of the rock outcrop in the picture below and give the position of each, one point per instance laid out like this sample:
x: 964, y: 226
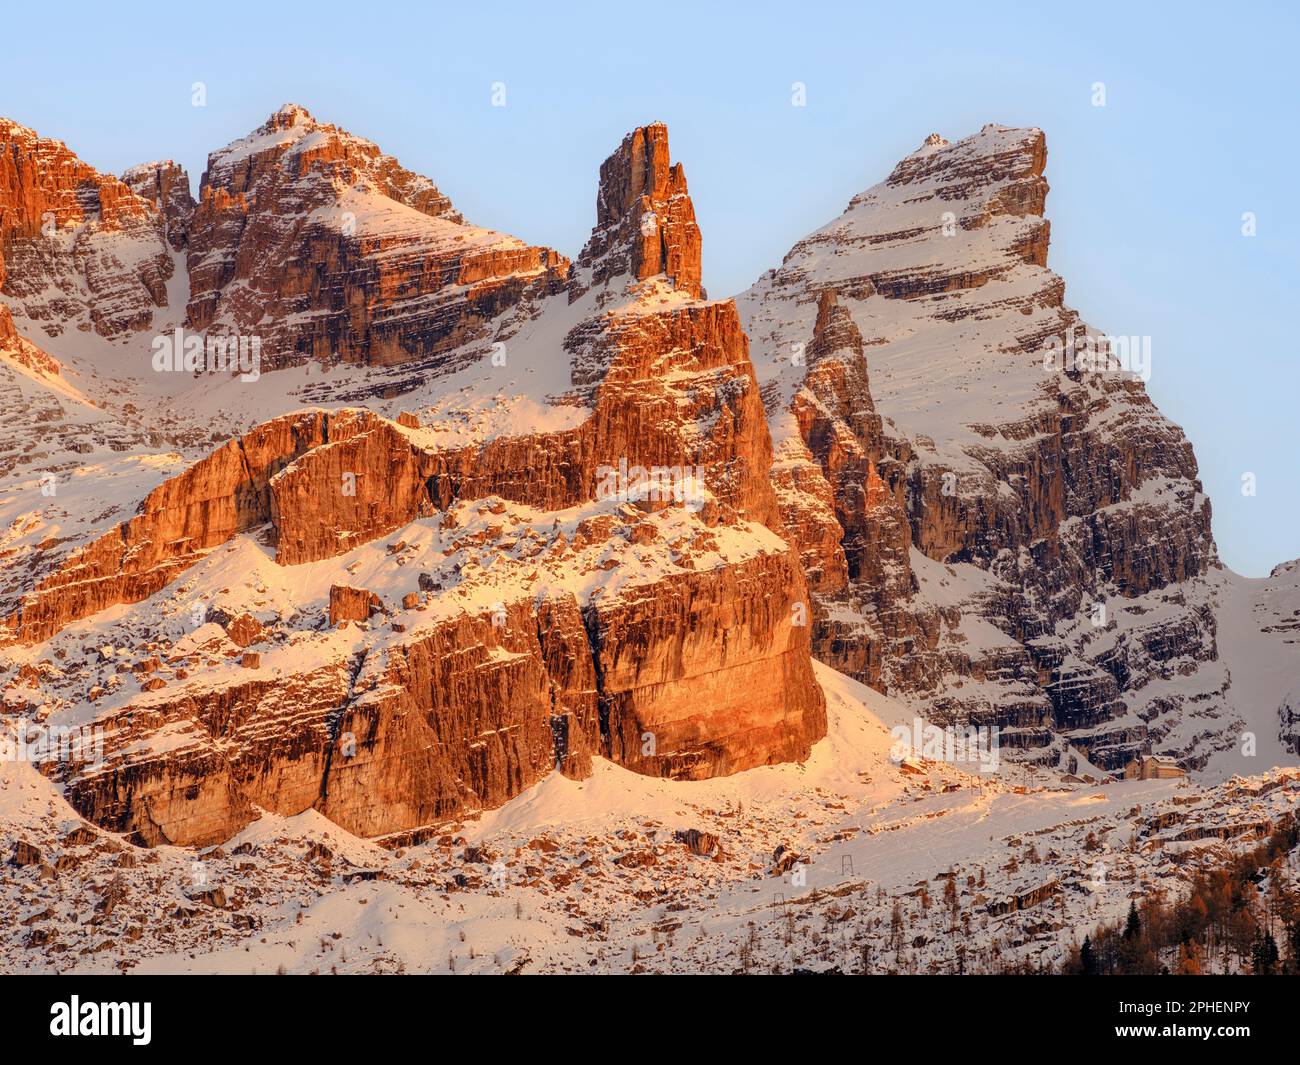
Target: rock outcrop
x: 176, y: 524
x: 18, y: 348
x: 167, y: 186
x: 645, y: 221
x: 707, y: 674
x: 352, y: 604
x: 469, y: 712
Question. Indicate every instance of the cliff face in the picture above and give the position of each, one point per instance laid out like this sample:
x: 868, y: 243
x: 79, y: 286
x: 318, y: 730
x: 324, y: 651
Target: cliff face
x: 552, y: 515
x: 981, y: 516
x: 329, y: 481
x: 327, y: 249
x: 713, y: 667
x: 645, y: 221
x: 176, y: 524
x: 418, y: 713
x: 460, y: 719
x: 78, y: 249
x: 166, y: 185
x: 607, y: 577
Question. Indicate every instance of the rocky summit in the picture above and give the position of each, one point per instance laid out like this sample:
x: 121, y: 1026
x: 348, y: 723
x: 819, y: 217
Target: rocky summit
x: 324, y: 510
x: 400, y: 616
x: 996, y: 522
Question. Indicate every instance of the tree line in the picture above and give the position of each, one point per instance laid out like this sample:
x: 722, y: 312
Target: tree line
x: 1240, y: 917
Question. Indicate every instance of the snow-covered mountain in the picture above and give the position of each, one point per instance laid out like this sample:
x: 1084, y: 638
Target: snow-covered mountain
x: 997, y: 523
x: 82, y: 250
x: 550, y: 588
x: 331, y: 250
x: 561, y: 542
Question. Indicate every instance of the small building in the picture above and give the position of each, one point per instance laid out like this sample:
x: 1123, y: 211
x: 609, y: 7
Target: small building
x: 1153, y: 767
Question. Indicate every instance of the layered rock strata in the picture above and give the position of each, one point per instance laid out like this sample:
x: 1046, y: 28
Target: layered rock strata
x: 617, y: 586
x: 997, y: 494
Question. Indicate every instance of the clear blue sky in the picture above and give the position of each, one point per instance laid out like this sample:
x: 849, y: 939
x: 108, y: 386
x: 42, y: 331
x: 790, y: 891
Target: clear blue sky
x: 1147, y: 192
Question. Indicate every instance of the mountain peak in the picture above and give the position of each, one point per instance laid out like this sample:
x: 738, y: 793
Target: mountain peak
x: 108, y: 269
x: 998, y: 152
x: 10, y: 128
x: 300, y: 190
x: 834, y: 329
x: 645, y: 221
x: 165, y: 183
x: 288, y: 116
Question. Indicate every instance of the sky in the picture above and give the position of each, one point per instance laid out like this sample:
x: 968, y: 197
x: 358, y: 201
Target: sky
x: 1148, y: 192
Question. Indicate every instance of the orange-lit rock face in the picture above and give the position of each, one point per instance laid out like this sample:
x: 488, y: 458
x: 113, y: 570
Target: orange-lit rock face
x: 329, y: 482
x: 696, y: 676
x: 376, y: 747
x: 673, y: 633
x: 328, y: 249
x: 224, y: 494
x: 645, y: 221
x: 709, y: 674
x: 531, y: 709
x: 77, y: 247
x: 365, y: 482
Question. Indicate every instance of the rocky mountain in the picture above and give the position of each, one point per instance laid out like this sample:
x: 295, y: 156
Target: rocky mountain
x: 482, y: 513
x: 166, y: 185
x: 78, y: 249
x: 397, y: 620
x: 539, y: 608
x: 330, y: 250
x: 996, y: 521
